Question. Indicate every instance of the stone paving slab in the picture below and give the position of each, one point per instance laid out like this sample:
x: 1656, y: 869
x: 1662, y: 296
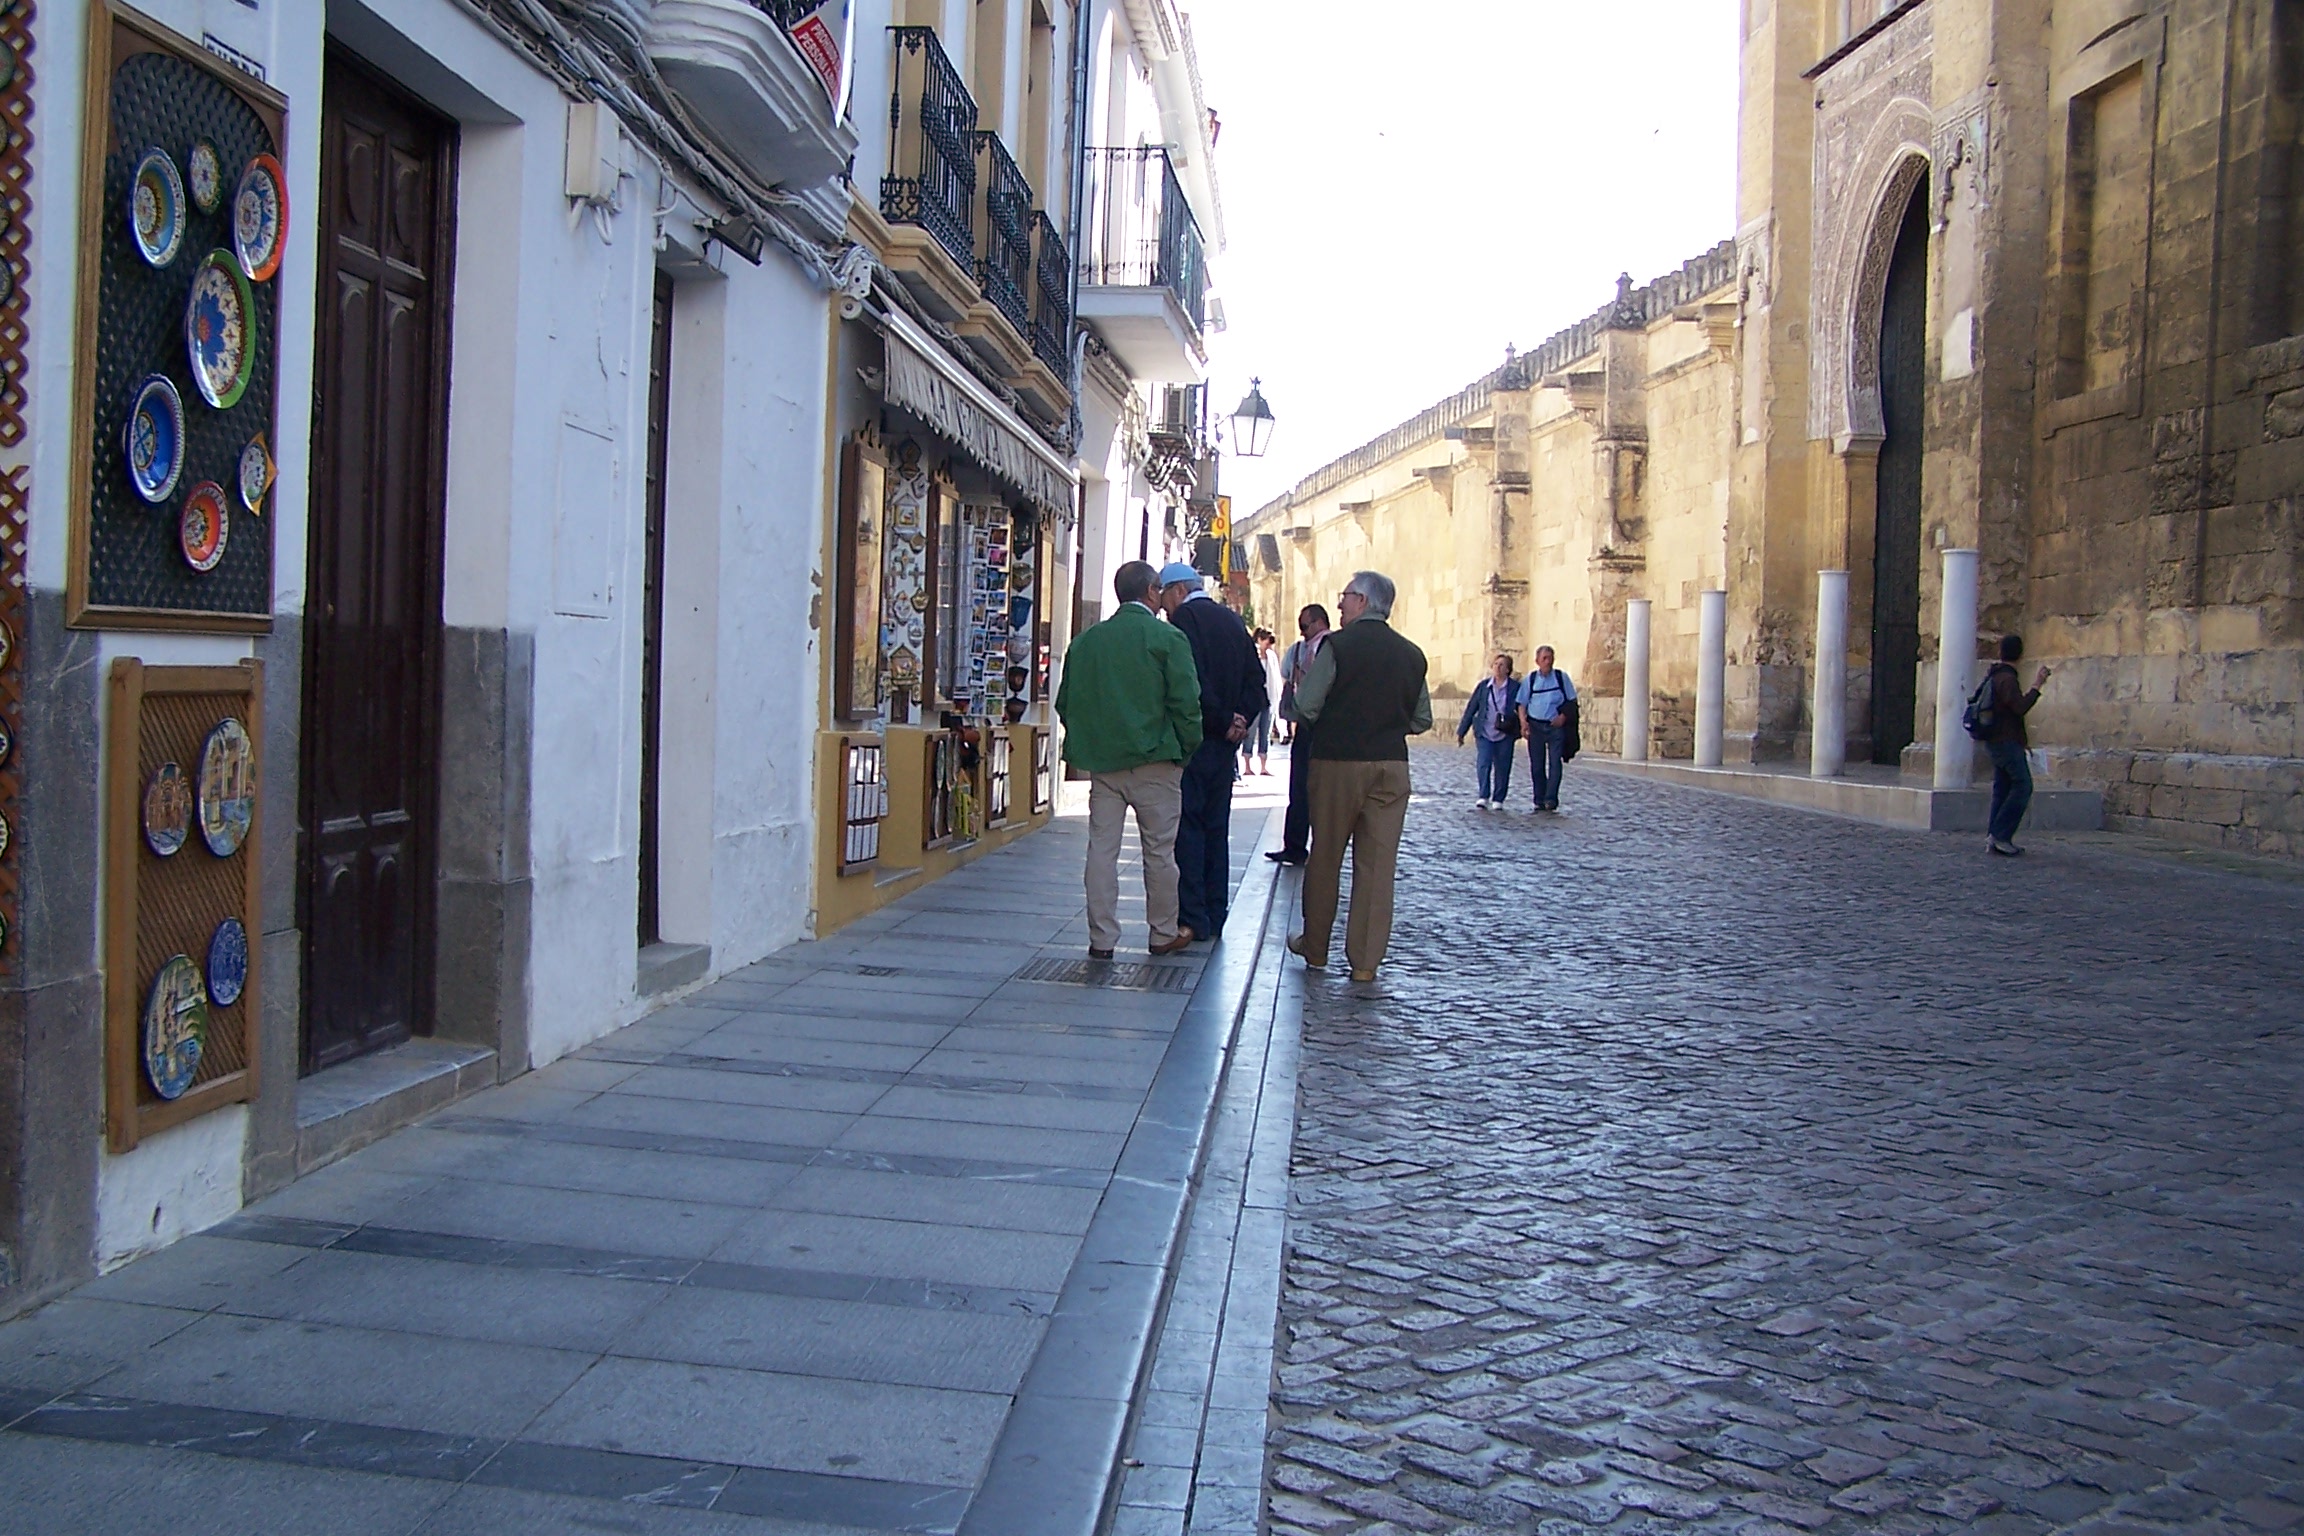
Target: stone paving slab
x: 783, y: 1257
x: 1703, y: 1166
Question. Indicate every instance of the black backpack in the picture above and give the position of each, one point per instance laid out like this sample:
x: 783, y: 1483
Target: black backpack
x: 1980, y: 718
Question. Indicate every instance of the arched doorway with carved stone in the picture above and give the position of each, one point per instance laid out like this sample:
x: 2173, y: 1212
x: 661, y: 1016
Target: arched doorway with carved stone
x: 1902, y: 353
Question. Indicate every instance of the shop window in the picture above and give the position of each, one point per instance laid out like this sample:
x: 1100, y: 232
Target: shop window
x: 2108, y: 167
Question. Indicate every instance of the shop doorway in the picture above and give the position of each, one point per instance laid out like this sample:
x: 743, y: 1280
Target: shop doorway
x: 372, y: 609
x: 1896, y: 530
x: 652, y: 617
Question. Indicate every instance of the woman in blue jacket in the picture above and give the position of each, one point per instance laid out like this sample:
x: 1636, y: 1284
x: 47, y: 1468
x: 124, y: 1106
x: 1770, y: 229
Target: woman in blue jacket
x: 1493, y: 721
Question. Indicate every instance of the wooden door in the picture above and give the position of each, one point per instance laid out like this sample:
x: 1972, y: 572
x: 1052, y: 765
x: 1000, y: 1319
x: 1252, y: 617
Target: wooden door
x: 373, y: 591
x: 1896, y: 531
x: 652, y: 612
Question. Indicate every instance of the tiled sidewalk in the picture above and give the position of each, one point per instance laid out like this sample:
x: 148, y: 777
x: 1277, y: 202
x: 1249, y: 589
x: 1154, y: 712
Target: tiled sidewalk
x: 775, y: 1259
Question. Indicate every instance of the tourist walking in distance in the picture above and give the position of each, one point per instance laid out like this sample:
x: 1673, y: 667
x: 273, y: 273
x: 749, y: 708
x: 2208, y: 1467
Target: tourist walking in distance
x: 2009, y: 746
x: 1545, y: 695
x: 1492, y: 717
x: 1361, y: 699
x: 1231, y: 695
x: 1130, y: 702
x: 1258, y: 745
x: 1296, y: 827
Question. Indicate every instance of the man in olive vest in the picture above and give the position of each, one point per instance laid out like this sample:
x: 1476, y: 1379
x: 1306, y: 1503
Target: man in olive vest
x: 1361, y: 699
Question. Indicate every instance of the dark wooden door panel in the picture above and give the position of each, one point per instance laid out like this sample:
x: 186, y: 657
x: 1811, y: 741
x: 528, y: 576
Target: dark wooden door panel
x: 372, y: 610
x: 1896, y: 531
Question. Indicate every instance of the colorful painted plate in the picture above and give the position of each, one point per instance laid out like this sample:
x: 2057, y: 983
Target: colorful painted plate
x: 216, y: 330
x: 260, y: 218
x: 227, y: 788
x: 3, y: 834
x: 175, y: 1026
x: 167, y: 810
x: 7, y: 745
x: 203, y: 526
x: 227, y: 963
x: 255, y: 475
x: 7, y: 643
x: 156, y: 439
x: 156, y: 208
x: 204, y: 176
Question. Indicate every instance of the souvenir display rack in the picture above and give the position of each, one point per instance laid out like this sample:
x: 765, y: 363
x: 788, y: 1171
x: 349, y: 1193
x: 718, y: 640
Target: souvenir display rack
x: 983, y: 685
x: 15, y: 488
x: 133, y: 564
x: 160, y: 907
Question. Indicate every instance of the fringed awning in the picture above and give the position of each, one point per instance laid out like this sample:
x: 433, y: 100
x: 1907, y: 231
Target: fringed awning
x: 921, y: 380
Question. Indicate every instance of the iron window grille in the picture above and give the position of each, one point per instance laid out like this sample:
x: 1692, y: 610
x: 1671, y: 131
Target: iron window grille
x: 931, y: 178
x: 1052, y: 298
x: 1004, y: 265
x: 1043, y: 769
x: 940, y: 815
x: 786, y: 13
x: 865, y: 773
x: 1141, y: 233
x: 996, y: 796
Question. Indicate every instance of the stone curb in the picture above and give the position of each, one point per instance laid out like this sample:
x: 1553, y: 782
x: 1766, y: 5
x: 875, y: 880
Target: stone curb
x: 1055, y: 1470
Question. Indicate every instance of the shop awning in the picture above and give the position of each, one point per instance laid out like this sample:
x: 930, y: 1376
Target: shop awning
x: 922, y: 379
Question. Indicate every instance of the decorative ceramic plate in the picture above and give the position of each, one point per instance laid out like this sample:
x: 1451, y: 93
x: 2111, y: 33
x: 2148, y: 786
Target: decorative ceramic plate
x: 216, y: 330
x: 167, y: 810
x: 175, y: 1026
x: 260, y: 218
x: 255, y: 474
x: 7, y: 643
x: 7, y: 277
x: 156, y: 208
x: 4, y: 831
x: 7, y: 745
x: 227, y: 963
x: 156, y: 439
x: 204, y: 176
x: 203, y: 526
x: 227, y: 788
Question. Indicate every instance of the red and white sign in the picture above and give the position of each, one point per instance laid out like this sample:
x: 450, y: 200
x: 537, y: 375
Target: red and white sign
x: 825, y: 37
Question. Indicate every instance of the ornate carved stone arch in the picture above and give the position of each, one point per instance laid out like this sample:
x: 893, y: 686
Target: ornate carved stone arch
x: 1856, y: 236
x: 1871, y: 284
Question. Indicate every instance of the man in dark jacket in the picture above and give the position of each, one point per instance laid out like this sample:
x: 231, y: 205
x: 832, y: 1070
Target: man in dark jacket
x: 1231, y: 695
x: 2010, y: 747
x: 1361, y: 699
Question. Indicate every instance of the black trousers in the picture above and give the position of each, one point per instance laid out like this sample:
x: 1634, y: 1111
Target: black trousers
x: 1204, y: 839
x: 1296, y: 832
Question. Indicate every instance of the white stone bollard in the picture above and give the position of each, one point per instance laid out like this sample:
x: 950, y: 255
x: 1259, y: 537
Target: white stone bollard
x: 1636, y: 680
x: 1828, y: 711
x: 1955, y: 661
x: 1711, y: 676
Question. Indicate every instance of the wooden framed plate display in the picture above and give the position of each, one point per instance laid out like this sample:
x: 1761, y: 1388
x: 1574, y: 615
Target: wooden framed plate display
x: 203, y: 525
x: 260, y: 218
x: 156, y: 210
x: 155, y: 439
x: 190, y: 912
x: 197, y: 320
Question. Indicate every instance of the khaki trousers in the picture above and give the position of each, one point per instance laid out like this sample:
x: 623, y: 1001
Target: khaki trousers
x: 1367, y: 805
x: 1155, y: 792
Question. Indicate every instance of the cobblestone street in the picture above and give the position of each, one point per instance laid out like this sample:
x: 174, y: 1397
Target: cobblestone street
x: 1702, y: 1166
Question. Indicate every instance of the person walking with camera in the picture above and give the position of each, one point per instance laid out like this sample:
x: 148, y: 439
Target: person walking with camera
x: 2002, y: 704
x: 1492, y: 719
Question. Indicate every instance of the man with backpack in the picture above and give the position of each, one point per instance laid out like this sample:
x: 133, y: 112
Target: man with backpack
x: 1548, y: 721
x: 1995, y: 717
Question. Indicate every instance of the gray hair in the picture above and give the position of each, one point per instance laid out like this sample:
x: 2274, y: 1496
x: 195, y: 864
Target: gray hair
x: 1377, y: 588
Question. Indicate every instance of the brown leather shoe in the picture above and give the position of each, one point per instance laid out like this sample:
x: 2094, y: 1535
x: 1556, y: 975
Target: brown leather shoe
x: 1099, y: 954
x: 1183, y: 937
x: 1363, y: 976
x: 1296, y: 948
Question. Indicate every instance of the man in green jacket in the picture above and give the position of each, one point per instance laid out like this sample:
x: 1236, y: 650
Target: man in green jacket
x: 1130, y: 703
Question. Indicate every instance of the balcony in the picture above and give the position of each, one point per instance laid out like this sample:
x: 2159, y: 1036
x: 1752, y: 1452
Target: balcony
x: 1052, y: 300
x: 1143, y: 269
x: 931, y: 180
x: 1004, y: 233
x: 736, y: 69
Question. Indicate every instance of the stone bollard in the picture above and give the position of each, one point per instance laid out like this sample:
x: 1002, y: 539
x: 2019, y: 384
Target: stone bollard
x: 1711, y: 676
x: 1828, y: 711
x: 1955, y: 661
x: 1636, y: 680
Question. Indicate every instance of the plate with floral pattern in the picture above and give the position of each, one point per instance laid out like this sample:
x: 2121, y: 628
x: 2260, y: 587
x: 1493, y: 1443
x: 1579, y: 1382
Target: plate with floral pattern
x: 175, y: 1026
x: 204, y: 176
x: 156, y: 208
x: 217, y: 322
x: 255, y: 474
x: 260, y: 218
x: 203, y: 526
x: 155, y: 439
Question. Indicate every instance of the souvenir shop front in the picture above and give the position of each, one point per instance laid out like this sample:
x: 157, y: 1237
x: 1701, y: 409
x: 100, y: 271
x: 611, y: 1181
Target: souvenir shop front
x: 952, y: 553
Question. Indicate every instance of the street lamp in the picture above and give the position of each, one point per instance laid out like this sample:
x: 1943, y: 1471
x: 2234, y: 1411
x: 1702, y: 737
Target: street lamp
x: 1252, y: 423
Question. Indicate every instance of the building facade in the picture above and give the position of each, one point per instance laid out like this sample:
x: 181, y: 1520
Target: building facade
x: 2018, y: 279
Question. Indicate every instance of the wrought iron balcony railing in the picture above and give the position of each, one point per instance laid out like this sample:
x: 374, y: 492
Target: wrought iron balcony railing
x: 1140, y: 231
x: 786, y: 13
x: 1052, y: 297
x: 931, y: 178
x: 1004, y: 244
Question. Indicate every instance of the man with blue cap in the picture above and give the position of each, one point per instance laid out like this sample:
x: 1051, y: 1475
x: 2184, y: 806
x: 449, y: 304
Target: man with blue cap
x: 1232, y: 694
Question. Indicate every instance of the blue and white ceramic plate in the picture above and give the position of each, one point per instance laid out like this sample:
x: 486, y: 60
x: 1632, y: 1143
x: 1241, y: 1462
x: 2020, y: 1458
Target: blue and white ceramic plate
x: 167, y: 810
x: 156, y: 439
x: 227, y: 788
x: 175, y: 1026
x: 227, y: 963
x: 156, y: 208
x: 216, y: 330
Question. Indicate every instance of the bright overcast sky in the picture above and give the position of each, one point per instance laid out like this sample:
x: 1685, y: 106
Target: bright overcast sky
x: 1408, y: 188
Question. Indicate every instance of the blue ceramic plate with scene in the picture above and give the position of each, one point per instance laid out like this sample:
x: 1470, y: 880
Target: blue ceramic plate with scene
x: 156, y: 208
x: 156, y: 439
x: 216, y: 330
x: 175, y: 1026
x: 227, y: 963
